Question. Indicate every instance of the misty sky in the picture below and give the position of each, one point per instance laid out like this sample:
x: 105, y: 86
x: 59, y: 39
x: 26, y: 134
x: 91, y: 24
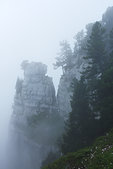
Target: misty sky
x: 32, y: 30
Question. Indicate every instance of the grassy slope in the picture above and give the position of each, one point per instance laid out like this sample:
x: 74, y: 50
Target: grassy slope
x: 98, y: 156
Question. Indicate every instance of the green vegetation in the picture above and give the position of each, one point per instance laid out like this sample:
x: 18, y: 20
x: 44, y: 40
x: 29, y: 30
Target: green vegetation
x: 92, y: 100
x: 98, y: 156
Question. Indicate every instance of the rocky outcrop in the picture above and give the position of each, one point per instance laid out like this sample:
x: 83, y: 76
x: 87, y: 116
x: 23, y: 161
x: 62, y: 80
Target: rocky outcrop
x: 35, y: 121
x: 36, y: 94
x: 64, y: 89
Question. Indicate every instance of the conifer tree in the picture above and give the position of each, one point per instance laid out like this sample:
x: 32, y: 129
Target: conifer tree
x: 111, y: 43
x: 78, y: 134
x: 105, y: 100
x: 64, y: 58
x: 105, y: 93
x: 96, y: 54
x: 96, y: 58
x: 82, y: 124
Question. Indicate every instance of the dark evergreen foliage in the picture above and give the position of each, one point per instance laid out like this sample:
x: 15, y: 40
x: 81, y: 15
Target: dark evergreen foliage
x: 96, y: 54
x: 78, y: 134
x: 111, y: 44
x: 96, y: 59
x: 105, y: 93
x: 105, y: 100
x: 92, y: 101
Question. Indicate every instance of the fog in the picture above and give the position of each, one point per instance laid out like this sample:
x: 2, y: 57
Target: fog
x: 32, y: 30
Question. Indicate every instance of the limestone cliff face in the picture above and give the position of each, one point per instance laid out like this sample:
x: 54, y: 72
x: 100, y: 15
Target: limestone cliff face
x: 35, y: 120
x: 36, y: 93
x: 64, y: 89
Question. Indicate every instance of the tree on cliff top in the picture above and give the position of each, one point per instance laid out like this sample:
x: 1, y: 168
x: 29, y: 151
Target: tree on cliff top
x: 64, y: 58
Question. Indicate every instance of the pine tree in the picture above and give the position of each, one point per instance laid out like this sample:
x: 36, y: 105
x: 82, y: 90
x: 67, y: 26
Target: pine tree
x: 78, y: 134
x: 96, y: 58
x: 105, y: 100
x: 111, y: 43
x: 82, y: 125
x: 64, y: 58
x: 96, y: 54
x: 105, y: 93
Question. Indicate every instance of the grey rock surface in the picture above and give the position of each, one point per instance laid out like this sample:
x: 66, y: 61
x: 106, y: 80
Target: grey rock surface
x: 64, y: 89
x: 32, y: 134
